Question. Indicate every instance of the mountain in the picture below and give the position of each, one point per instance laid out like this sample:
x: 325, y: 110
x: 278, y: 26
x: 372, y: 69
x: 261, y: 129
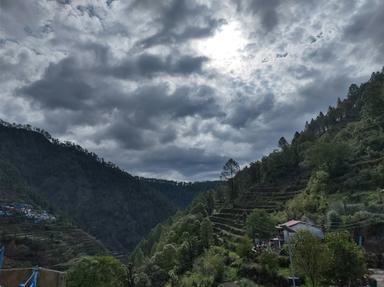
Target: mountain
x: 180, y: 193
x: 108, y: 203
x: 31, y: 233
x: 330, y: 174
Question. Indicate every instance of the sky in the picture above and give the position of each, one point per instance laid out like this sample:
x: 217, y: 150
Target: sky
x: 173, y: 88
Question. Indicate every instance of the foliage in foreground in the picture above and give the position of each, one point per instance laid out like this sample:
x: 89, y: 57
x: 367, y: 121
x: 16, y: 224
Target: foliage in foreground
x: 101, y: 271
x: 337, y: 261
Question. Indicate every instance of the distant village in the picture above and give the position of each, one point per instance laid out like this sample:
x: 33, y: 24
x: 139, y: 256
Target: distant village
x: 14, y: 209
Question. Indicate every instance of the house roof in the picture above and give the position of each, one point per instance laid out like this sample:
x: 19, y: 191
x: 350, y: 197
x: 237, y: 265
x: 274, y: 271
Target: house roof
x: 291, y: 223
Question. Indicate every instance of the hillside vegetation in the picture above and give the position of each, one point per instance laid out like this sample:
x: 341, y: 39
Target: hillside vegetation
x: 32, y: 242
x: 330, y: 174
x: 108, y: 203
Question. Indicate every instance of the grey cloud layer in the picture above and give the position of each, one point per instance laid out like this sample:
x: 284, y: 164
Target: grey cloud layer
x: 134, y: 81
x: 179, y: 21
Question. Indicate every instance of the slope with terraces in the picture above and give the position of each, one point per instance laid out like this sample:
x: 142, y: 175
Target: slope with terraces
x: 229, y: 221
x: 45, y: 244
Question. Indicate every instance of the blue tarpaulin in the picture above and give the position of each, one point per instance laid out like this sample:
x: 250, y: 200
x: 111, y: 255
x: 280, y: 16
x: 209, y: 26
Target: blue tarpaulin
x: 2, y: 251
x: 34, y: 278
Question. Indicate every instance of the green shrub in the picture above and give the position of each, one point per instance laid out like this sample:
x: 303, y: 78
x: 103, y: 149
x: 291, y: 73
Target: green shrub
x: 244, y: 246
x: 269, y: 260
x: 102, y: 271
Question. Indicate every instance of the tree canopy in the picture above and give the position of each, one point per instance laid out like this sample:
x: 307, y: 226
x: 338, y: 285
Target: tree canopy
x: 330, y: 157
x: 310, y: 256
x: 100, y: 271
x: 230, y: 169
x: 260, y: 224
x: 347, y: 260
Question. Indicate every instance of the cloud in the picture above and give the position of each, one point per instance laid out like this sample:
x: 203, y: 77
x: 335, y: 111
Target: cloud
x: 151, y: 114
x: 60, y: 87
x: 17, y: 17
x: 266, y: 10
x: 367, y: 26
x: 70, y: 93
x: 148, y: 65
x: 186, y: 161
x: 173, y: 88
x: 179, y: 21
x: 246, y: 109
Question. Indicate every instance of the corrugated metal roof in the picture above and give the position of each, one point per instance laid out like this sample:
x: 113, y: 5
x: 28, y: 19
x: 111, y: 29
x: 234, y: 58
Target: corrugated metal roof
x: 292, y: 223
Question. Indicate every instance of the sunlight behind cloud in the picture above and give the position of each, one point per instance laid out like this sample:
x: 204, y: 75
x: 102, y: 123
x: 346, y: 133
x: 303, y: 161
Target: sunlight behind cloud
x: 226, y: 48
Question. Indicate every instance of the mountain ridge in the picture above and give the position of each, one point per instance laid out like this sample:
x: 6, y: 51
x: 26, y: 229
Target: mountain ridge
x: 105, y: 201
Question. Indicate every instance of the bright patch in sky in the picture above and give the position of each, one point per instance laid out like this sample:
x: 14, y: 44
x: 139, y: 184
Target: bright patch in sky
x: 226, y: 48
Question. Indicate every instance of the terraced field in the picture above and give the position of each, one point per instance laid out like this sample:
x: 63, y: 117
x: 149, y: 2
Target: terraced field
x: 229, y: 223
x: 45, y: 244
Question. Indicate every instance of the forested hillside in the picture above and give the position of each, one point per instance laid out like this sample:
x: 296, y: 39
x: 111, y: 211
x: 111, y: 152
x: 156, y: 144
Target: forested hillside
x: 108, y: 203
x: 331, y: 175
x: 31, y: 233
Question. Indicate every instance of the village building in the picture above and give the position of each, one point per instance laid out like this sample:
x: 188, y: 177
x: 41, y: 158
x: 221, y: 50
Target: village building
x: 289, y: 228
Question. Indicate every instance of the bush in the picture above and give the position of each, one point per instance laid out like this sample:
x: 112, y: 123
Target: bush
x: 102, y: 271
x: 244, y: 246
x: 269, y: 260
x: 262, y: 277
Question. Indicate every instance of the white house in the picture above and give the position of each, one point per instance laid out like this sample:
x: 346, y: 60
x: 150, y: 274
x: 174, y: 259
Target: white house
x: 289, y: 228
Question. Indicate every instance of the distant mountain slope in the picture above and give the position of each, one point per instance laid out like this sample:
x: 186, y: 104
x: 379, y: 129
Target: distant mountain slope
x: 180, y: 193
x: 31, y: 233
x: 110, y: 204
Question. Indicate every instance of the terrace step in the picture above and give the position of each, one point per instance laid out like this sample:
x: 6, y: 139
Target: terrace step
x: 230, y: 222
x: 226, y: 235
x: 230, y: 229
x: 272, y: 195
x: 236, y: 210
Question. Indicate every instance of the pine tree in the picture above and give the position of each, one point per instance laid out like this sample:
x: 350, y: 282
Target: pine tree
x: 230, y: 169
x: 206, y: 233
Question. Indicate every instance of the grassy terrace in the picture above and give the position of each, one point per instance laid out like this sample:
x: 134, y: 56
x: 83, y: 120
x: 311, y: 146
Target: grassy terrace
x: 229, y: 222
x: 46, y: 244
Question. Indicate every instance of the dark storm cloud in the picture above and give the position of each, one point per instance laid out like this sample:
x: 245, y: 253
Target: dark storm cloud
x: 127, y: 134
x: 137, y: 119
x: 90, y: 10
x: 268, y: 15
x: 244, y: 110
x: 179, y: 21
x: 187, y: 161
x: 147, y: 65
x: 189, y: 32
x: 60, y: 87
x: 267, y: 10
x: 67, y: 84
x: 148, y: 114
x: 367, y: 25
x: 147, y: 103
x: 323, y: 91
x: 64, y: 1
